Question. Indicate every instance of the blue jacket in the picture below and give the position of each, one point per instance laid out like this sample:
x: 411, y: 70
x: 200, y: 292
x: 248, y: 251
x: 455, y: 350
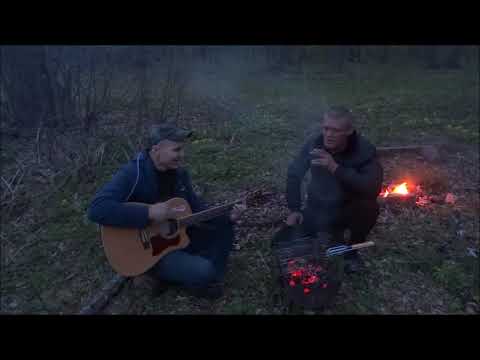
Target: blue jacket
x: 137, y: 181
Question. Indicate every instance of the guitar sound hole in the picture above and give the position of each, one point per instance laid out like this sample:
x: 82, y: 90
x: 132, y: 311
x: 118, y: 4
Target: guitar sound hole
x: 172, y: 227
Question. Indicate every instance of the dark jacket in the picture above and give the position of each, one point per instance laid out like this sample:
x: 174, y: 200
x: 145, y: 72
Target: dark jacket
x: 137, y: 181
x: 359, y: 175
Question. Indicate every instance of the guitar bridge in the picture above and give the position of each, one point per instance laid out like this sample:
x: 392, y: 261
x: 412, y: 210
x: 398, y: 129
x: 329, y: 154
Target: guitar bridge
x: 145, y: 239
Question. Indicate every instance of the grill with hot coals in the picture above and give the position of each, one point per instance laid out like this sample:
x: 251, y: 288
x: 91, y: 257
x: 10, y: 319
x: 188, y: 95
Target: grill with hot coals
x: 308, y: 278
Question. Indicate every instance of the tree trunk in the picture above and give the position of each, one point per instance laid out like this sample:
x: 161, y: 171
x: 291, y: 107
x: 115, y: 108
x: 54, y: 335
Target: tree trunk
x: 431, y: 55
x: 384, y: 55
x: 336, y: 57
x: 25, y: 84
x: 454, y: 57
x: 355, y: 54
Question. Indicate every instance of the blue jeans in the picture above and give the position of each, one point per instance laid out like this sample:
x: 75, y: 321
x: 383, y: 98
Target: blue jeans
x: 204, y: 260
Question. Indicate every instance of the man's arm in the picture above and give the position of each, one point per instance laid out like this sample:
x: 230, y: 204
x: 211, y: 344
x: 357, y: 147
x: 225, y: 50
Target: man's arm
x: 109, y: 207
x: 366, y: 180
x: 296, y: 172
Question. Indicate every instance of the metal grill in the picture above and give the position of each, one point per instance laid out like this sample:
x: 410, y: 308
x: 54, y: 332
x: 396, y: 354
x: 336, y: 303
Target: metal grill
x: 308, y: 277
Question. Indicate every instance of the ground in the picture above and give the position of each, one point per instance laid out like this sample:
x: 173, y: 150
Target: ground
x: 423, y: 262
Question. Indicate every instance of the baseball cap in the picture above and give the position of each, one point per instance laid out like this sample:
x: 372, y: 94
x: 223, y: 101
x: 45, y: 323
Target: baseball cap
x: 168, y: 132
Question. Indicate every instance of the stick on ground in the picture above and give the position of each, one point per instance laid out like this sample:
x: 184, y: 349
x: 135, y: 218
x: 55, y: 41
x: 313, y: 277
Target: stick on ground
x: 429, y: 152
x: 104, y: 296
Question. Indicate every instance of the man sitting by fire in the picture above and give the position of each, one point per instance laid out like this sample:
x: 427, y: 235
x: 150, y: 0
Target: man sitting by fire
x: 346, y: 179
x: 153, y: 177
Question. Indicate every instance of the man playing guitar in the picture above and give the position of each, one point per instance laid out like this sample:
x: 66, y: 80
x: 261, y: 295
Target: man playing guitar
x: 136, y: 197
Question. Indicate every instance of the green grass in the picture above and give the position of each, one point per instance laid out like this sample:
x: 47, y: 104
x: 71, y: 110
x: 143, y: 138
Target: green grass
x: 253, y: 149
x: 391, y: 108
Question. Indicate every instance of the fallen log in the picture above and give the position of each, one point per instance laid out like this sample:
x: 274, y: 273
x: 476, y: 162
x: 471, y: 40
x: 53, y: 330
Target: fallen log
x: 429, y: 152
x: 99, y: 302
x: 399, y: 148
x: 394, y: 199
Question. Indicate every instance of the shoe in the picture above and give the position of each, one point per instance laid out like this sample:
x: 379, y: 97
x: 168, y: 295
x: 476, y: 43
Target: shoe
x: 353, y: 263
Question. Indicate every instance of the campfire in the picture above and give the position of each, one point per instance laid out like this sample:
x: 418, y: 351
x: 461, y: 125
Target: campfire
x: 405, y: 192
x: 396, y: 190
x: 401, y: 193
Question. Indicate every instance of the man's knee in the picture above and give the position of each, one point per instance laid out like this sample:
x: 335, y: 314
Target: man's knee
x: 360, y: 215
x: 223, y: 230
x: 183, y: 268
x: 222, y: 223
x: 217, y: 228
x: 202, y: 272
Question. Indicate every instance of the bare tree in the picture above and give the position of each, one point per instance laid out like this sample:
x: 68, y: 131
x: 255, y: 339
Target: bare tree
x: 384, y: 54
x: 24, y: 85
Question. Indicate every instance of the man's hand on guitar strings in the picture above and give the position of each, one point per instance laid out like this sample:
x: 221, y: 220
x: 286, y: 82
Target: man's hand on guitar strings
x: 161, y: 212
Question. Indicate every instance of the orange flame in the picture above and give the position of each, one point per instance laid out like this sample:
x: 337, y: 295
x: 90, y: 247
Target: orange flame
x: 401, y: 189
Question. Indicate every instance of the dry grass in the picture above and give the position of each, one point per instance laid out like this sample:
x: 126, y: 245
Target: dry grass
x: 52, y: 261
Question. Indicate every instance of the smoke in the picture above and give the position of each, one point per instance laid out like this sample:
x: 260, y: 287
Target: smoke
x: 241, y: 84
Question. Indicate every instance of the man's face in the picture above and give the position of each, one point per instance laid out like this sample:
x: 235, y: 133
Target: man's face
x: 335, y: 133
x: 168, y: 155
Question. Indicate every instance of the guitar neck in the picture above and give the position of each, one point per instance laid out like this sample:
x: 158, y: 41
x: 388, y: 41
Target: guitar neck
x: 205, y: 215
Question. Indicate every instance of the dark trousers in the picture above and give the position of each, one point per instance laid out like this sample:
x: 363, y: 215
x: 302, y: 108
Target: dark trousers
x: 359, y: 216
x: 203, y: 261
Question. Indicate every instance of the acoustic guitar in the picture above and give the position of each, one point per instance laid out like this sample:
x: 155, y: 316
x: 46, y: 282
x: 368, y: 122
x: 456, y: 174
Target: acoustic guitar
x: 131, y: 252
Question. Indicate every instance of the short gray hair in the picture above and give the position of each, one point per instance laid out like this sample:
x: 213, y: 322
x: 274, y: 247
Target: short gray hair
x: 340, y: 112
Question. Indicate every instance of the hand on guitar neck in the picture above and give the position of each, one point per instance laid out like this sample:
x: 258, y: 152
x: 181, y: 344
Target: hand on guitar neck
x: 237, y: 211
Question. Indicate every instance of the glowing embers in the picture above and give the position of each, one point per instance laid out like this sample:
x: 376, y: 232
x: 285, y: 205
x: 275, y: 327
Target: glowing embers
x: 306, y: 275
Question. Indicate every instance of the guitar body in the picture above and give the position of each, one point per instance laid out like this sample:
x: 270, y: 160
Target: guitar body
x: 131, y: 252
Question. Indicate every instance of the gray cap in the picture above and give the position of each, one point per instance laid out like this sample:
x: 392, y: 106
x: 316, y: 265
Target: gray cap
x: 168, y: 132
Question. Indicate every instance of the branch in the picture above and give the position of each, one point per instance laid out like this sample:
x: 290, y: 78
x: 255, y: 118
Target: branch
x: 104, y: 296
x: 406, y: 200
x: 430, y: 152
x: 38, y: 142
